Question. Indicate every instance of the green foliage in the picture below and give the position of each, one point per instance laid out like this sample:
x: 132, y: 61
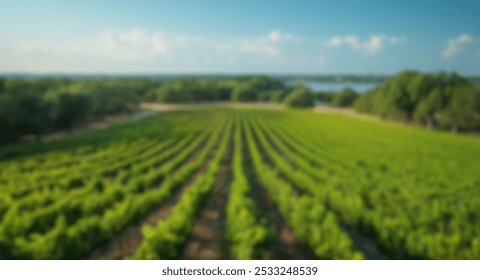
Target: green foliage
x: 301, y: 97
x: 93, y: 212
x: 277, y: 96
x: 305, y: 216
x: 244, y: 93
x: 71, y: 109
x: 256, y: 89
x: 41, y: 106
x: 165, y: 239
x: 247, y: 233
x: 412, y: 193
x: 436, y: 100
x: 344, y: 98
x: 27, y: 113
x: 273, y: 96
x: 45, y: 105
x: 462, y: 111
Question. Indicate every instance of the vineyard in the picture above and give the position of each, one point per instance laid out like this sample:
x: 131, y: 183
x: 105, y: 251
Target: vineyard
x: 243, y: 183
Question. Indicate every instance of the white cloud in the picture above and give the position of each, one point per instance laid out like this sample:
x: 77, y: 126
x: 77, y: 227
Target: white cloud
x: 141, y: 50
x: 159, y: 45
x: 107, y: 51
x: 278, y: 36
x: 371, y: 46
x: 335, y: 41
x: 247, y: 46
x: 268, y: 44
x: 258, y: 47
x: 396, y: 39
x: 275, y: 36
x: 136, y: 36
x: 454, y: 46
x: 136, y: 45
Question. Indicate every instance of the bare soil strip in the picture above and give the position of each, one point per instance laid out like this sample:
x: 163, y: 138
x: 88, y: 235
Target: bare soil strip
x: 126, y: 244
x: 269, y: 161
x: 149, y: 109
x: 346, y: 112
x: 284, y: 245
x: 245, y: 105
x: 108, y: 122
x: 207, y: 240
x: 257, y: 105
x: 146, y: 110
x: 366, y: 244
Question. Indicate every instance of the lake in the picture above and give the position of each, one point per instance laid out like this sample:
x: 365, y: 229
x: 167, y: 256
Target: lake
x: 332, y: 86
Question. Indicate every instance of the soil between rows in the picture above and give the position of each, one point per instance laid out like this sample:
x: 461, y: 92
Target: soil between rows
x: 126, y: 243
x: 207, y: 240
x: 284, y: 245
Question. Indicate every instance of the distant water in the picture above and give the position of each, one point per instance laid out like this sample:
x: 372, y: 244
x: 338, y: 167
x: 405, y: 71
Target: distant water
x: 331, y: 86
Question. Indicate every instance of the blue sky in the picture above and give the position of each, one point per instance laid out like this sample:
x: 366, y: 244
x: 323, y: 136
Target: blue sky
x: 303, y: 36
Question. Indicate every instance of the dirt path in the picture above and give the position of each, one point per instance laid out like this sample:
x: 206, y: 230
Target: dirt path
x: 346, y: 112
x: 108, y: 122
x: 257, y: 105
x: 207, y: 240
x: 162, y: 107
x: 126, y: 243
x: 206, y: 105
x: 146, y: 110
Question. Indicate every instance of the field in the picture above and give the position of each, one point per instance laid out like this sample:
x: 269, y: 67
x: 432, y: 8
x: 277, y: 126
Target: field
x: 243, y: 183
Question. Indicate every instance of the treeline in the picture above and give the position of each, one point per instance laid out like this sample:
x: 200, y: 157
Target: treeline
x: 243, y: 89
x: 42, y: 106
x: 439, y: 100
x: 36, y: 107
x: 343, y: 98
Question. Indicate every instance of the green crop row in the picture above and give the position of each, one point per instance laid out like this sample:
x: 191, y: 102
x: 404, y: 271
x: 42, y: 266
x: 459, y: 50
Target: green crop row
x: 246, y: 233
x: 336, y: 181
x: 164, y: 240
x: 313, y: 225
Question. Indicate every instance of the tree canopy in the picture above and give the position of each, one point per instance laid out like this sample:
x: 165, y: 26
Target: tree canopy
x: 301, y: 97
x: 344, y: 98
x: 44, y: 105
x: 39, y: 106
x: 436, y: 100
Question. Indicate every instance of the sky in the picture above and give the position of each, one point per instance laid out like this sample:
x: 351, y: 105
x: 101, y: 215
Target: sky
x: 239, y: 37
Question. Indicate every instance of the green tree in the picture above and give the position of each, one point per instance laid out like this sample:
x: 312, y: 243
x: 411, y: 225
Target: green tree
x: 345, y: 98
x: 462, y: 110
x: 425, y: 98
x: 300, y: 97
x: 244, y: 93
x: 277, y: 96
x: 428, y: 107
x: 71, y: 108
x: 399, y: 102
x: 29, y: 113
